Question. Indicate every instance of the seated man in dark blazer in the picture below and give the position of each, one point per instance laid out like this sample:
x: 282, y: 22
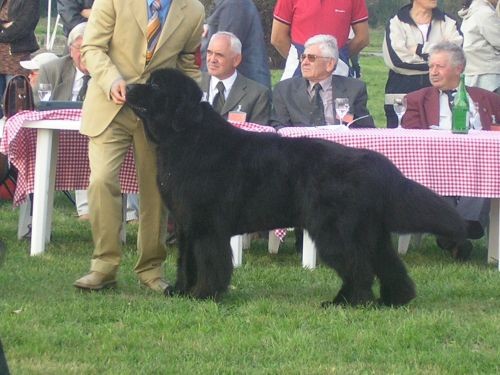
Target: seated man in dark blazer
x: 431, y: 106
x: 294, y: 99
x: 239, y: 93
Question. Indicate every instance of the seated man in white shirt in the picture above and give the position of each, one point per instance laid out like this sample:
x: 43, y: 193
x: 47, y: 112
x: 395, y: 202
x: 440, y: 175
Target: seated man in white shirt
x: 240, y: 94
x: 431, y: 106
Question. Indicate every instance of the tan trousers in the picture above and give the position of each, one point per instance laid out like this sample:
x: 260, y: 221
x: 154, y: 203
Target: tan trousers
x: 106, y: 154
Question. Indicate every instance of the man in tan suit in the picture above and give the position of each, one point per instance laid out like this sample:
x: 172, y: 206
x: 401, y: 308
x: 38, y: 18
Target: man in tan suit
x: 114, y: 49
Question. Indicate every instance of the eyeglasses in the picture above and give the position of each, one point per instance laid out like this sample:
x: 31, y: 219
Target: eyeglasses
x: 311, y: 58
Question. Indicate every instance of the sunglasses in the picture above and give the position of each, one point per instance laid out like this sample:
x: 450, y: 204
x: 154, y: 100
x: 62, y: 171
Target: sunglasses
x: 311, y: 58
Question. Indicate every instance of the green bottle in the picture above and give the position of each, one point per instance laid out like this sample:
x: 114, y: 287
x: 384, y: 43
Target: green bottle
x: 460, y: 112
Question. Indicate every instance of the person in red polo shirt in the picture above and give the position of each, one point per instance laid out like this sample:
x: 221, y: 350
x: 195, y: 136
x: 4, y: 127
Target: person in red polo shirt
x: 295, y: 21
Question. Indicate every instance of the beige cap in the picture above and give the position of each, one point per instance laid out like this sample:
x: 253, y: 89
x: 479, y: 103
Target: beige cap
x: 38, y: 60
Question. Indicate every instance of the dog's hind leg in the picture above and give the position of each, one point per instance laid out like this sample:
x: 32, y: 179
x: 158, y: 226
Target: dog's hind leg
x: 396, y: 287
x: 348, y: 258
x: 214, y: 265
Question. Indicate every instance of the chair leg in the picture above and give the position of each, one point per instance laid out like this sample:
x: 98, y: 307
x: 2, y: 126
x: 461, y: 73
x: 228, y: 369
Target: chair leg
x: 404, y: 243
x: 237, y: 248
x: 24, y: 222
x: 70, y: 197
x: 308, y: 252
x: 123, y: 230
x: 246, y: 241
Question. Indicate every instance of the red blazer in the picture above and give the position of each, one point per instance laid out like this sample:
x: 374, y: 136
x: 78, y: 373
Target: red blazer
x: 423, y: 107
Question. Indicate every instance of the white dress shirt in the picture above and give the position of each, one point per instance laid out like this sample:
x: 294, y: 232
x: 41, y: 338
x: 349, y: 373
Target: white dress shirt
x: 445, y: 113
x: 77, y: 84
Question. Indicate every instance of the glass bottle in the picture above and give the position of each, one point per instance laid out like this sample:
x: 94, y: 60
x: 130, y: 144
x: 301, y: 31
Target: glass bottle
x: 460, y: 112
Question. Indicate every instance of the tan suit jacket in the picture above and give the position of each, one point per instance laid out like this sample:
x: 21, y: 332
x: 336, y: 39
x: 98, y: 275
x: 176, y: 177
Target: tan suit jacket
x: 120, y: 51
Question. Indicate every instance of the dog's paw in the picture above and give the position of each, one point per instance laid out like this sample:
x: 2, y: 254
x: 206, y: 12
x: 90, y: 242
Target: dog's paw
x: 397, y: 296
x: 170, y: 291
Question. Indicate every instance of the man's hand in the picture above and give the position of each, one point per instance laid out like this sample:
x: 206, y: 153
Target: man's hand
x: 85, y: 12
x: 118, y: 90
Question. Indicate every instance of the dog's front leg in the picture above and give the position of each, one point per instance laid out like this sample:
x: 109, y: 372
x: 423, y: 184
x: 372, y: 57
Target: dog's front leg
x: 186, y: 265
x: 214, y: 265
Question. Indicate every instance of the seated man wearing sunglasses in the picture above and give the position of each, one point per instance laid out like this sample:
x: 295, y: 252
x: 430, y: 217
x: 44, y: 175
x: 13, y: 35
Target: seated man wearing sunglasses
x: 309, y: 100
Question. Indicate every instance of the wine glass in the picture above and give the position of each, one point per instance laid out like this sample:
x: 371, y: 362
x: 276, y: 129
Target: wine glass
x: 400, y: 105
x: 44, y: 91
x: 341, y: 108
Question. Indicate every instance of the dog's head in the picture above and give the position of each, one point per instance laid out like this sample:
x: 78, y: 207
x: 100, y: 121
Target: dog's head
x: 168, y: 101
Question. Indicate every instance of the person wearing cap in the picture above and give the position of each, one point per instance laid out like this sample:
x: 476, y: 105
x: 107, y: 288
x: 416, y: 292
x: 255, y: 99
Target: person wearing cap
x: 67, y: 75
x: 33, y: 65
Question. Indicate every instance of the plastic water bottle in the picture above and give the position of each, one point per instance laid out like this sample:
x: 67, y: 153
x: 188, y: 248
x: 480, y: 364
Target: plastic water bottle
x: 460, y: 112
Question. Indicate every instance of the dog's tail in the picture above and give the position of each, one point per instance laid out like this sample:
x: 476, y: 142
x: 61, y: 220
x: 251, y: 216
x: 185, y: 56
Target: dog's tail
x: 413, y: 208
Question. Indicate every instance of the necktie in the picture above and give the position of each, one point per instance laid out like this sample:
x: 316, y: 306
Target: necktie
x: 318, y: 113
x: 451, y: 97
x: 219, y: 98
x: 153, y: 29
x: 83, y: 90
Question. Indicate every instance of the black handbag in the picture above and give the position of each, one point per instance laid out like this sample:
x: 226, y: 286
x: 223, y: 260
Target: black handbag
x: 18, y: 96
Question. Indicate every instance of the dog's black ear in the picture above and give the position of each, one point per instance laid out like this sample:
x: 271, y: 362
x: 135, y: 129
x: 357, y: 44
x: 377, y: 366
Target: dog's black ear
x: 188, y: 111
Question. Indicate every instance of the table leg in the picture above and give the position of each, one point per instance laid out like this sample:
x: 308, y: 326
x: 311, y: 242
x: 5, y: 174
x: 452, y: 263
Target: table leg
x: 237, y: 248
x: 41, y: 194
x: 52, y: 184
x: 308, y: 252
x: 493, y: 232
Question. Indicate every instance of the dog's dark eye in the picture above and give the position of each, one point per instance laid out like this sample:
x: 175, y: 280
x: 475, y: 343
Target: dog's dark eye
x: 155, y: 86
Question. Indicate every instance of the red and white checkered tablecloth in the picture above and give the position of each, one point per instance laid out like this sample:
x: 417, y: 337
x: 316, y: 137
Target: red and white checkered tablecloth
x: 249, y: 126
x: 72, y: 171
x: 449, y: 164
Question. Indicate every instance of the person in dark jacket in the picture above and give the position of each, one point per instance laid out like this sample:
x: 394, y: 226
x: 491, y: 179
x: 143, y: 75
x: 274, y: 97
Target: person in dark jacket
x: 73, y: 12
x: 241, y: 18
x: 18, y: 19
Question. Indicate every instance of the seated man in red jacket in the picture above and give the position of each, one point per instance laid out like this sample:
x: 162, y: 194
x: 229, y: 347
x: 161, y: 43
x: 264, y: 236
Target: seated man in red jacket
x: 431, y: 106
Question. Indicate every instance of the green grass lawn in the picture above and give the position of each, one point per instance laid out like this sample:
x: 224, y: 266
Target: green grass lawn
x: 270, y: 322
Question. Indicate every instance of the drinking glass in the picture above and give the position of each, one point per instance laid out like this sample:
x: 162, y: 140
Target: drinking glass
x: 341, y: 108
x: 44, y: 91
x: 400, y: 105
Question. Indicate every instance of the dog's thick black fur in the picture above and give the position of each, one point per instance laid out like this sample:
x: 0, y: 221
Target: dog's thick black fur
x: 219, y: 181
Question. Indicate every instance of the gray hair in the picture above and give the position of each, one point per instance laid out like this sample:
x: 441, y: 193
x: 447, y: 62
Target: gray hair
x: 234, y: 42
x: 456, y: 53
x: 326, y: 43
x: 76, y: 32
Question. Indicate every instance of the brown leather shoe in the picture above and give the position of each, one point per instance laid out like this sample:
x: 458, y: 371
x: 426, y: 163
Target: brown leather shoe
x: 158, y: 285
x: 95, y: 281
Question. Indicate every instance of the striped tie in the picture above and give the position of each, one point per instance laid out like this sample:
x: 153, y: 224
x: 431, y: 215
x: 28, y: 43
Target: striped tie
x: 153, y: 30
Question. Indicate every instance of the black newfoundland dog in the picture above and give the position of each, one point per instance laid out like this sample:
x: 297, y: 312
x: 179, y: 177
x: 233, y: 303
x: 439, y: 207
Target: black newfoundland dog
x: 219, y: 181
